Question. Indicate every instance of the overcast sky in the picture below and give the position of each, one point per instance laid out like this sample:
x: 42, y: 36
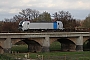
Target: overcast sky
x: 79, y: 9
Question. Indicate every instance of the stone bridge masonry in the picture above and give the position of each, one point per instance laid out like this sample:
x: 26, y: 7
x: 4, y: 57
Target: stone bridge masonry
x: 44, y: 39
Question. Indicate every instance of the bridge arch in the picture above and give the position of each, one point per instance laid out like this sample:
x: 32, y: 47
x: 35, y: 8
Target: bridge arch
x: 1, y: 50
x: 66, y: 44
x: 86, y: 45
x: 33, y: 46
x: 65, y: 40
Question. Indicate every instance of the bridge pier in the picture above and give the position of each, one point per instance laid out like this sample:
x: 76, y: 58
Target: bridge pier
x: 46, y: 44
x: 7, y: 45
x: 79, y: 44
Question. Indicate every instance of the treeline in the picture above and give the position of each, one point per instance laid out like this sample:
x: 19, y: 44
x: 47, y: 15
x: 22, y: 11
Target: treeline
x: 11, y: 25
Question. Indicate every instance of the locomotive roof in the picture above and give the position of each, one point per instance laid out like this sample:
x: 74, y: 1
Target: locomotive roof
x: 41, y: 22
x: 38, y: 21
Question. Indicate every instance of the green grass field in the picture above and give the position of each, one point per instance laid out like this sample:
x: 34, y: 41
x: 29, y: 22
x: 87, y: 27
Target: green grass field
x: 51, y: 55
x: 20, y: 48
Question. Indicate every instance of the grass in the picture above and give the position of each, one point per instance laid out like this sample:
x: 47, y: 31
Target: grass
x: 55, y: 46
x: 19, y: 48
x: 53, y: 55
x: 66, y: 55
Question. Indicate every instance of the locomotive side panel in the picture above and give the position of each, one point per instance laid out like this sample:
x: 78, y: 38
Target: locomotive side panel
x: 41, y: 26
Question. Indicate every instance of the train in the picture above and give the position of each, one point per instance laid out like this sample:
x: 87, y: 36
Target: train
x: 56, y: 26
x: 40, y: 26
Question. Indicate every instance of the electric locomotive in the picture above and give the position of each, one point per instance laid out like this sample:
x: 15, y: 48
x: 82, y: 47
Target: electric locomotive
x: 27, y: 25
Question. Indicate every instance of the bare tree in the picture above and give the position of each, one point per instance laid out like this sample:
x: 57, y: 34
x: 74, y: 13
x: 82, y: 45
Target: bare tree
x: 29, y: 14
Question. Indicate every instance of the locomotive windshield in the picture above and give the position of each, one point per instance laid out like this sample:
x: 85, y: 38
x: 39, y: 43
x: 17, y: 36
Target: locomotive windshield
x: 20, y: 25
x: 21, y: 22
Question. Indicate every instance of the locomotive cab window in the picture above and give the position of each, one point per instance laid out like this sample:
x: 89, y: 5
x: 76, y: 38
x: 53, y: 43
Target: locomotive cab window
x: 20, y: 25
x: 58, y: 23
x: 27, y: 23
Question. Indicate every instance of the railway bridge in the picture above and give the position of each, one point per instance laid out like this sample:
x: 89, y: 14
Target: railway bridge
x: 37, y: 42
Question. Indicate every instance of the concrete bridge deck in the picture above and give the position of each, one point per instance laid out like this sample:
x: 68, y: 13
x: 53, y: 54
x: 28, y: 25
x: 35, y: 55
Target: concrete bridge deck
x: 50, y: 34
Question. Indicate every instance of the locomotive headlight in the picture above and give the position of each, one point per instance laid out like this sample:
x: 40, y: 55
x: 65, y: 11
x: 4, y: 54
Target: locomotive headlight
x: 20, y: 27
